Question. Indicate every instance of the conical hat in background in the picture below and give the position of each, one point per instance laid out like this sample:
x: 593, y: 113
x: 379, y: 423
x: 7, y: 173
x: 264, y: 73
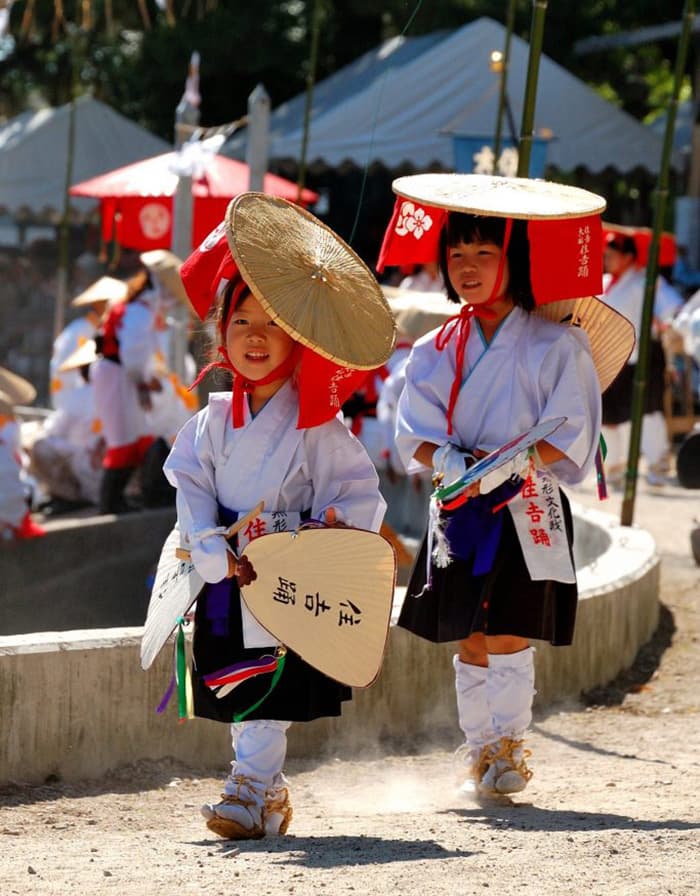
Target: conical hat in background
x: 14, y: 390
x: 165, y: 266
x: 327, y: 595
x: 417, y: 313
x: 84, y: 354
x: 311, y: 282
x: 106, y: 289
x: 610, y: 334
x: 503, y: 197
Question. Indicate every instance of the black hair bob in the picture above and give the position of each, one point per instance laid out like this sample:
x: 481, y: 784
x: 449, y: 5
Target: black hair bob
x: 466, y: 228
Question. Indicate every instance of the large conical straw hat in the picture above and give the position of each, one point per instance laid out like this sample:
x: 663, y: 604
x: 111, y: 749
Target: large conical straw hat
x: 106, y: 289
x: 165, y: 267
x: 14, y: 390
x: 327, y: 595
x: 311, y: 282
x: 610, y: 334
x: 503, y: 197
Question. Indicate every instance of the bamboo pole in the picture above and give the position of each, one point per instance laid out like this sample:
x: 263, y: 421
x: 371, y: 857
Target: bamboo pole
x: 641, y: 373
x: 539, y: 11
x: 310, y: 81
x: 64, y: 227
x: 503, y: 95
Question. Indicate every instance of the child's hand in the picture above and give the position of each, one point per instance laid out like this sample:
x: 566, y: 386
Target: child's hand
x: 242, y: 569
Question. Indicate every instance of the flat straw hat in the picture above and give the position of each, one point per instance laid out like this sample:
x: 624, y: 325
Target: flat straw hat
x: 503, y: 197
x: 106, y: 289
x: 165, y: 266
x: 86, y: 353
x: 611, y: 335
x: 311, y: 282
x: 14, y: 390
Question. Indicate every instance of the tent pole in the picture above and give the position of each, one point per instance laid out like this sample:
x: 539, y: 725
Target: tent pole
x: 503, y: 95
x: 310, y: 81
x: 641, y: 373
x: 64, y: 229
x: 539, y: 11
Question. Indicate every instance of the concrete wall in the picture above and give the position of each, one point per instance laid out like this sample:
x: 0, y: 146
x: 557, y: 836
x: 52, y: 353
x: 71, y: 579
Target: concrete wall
x: 88, y: 573
x: 77, y: 703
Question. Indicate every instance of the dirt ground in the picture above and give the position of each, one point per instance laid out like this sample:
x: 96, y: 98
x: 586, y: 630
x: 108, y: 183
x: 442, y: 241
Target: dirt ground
x: 612, y: 808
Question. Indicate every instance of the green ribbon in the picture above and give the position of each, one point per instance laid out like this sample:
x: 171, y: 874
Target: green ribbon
x: 281, y: 660
x: 181, y: 670
x: 603, y: 447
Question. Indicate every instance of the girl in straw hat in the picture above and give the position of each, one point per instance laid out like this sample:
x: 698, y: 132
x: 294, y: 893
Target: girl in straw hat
x: 277, y: 438
x: 502, y: 570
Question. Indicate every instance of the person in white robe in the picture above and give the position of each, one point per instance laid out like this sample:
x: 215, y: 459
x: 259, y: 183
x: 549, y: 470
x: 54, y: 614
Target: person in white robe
x: 123, y: 382
x: 247, y: 446
x: 66, y: 456
x: 511, y: 576
x: 624, y: 286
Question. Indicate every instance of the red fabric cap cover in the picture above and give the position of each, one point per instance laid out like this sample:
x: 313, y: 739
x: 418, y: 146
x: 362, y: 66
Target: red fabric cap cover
x: 566, y: 255
x: 205, y: 270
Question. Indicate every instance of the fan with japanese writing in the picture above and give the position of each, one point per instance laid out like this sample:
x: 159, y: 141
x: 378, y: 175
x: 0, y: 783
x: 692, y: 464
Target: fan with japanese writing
x: 327, y: 595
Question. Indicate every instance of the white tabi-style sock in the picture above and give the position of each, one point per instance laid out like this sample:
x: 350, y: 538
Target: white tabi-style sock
x: 509, y: 691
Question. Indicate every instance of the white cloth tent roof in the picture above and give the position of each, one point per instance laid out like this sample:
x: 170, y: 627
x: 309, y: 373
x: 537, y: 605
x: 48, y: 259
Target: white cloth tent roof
x: 402, y: 102
x: 34, y: 150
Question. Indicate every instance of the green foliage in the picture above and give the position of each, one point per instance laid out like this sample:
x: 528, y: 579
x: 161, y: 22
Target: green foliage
x: 140, y: 67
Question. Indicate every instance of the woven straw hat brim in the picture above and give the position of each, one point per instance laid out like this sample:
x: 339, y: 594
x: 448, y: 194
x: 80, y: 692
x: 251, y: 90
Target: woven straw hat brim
x: 14, y: 389
x: 611, y: 335
x: 506, y: 197
x: 310, y: 281
x: 165, y: 266
x: 106, y: 289
x: 84, y: 354
x: 417, y: 313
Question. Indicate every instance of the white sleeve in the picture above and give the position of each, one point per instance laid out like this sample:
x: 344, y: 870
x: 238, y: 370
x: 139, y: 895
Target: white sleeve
x: 136, y: 340
x: 190, y: 469
x: 421, y: 415
x: 387, y: 405
x: 343, y: 476
x: 569, y: 384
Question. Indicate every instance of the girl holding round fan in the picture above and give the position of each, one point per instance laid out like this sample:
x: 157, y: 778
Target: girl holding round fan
x: 275, y: 437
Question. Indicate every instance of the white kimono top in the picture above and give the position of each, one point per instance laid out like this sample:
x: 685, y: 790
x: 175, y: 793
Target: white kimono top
x: 268, y: 459
x: 531, y: 370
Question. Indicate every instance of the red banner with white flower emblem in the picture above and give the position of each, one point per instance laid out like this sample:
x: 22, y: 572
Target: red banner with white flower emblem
x: 566, y: 255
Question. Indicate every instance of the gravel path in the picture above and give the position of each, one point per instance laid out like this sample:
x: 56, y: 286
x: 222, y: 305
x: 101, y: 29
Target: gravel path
x: 612, y: 809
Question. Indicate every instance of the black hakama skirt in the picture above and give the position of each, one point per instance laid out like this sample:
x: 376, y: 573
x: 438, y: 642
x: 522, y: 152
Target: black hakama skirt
x: 503, y: 601
x: 301, y: 694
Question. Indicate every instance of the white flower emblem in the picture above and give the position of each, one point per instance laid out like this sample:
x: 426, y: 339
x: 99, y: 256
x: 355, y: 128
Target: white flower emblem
x: 413, y: 220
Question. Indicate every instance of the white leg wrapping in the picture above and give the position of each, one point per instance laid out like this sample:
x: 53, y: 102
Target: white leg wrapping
x: 261, y: 748
x: 509, y: 690
x: 654, y: 442
x: 472, y: 703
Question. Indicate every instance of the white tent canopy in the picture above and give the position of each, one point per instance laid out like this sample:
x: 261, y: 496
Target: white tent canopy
x: 34, y: 151
x: 403, y: 102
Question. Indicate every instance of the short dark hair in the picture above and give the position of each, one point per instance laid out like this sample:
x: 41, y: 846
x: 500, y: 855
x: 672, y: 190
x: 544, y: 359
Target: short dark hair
x: 466, y: 228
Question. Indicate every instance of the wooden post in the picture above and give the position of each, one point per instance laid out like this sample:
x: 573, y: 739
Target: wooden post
x: 258, y: 133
